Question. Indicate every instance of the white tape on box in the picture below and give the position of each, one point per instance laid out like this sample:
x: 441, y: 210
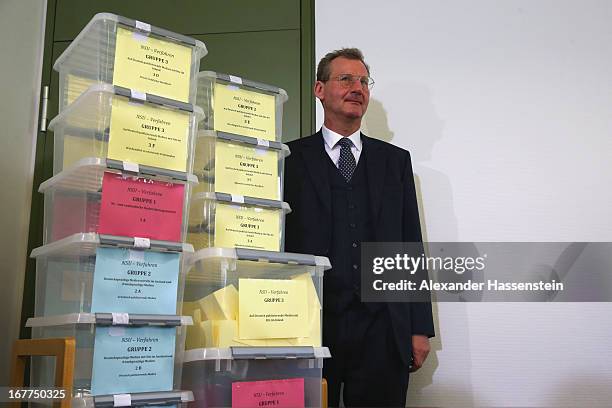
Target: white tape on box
x: 141, y: 96
x: 235, y: 79
x: 122, y: 400
x: 263, y: 143
x: 143, y: 243
x: 143, y: 26
x: 120, y: 318
x: 237, y: 198
x: 131, y: 167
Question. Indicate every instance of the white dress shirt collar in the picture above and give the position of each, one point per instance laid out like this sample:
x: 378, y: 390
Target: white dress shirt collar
x: 332, y: 138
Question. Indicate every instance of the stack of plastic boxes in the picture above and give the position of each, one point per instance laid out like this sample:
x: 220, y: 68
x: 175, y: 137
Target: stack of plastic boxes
x: 256, y: 338
x: 111, y: 272
x: 239, y: 161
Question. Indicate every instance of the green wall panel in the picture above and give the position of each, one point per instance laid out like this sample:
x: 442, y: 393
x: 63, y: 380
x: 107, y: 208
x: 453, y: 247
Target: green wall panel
x: 271, y: 57
x: 189, y: 17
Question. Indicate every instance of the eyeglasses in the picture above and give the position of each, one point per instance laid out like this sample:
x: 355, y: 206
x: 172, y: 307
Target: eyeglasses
x: 347, y: 81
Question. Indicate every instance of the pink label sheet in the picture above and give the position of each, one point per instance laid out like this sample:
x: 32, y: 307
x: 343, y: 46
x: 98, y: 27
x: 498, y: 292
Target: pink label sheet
x: 287, y: 393
x: 141, y: 207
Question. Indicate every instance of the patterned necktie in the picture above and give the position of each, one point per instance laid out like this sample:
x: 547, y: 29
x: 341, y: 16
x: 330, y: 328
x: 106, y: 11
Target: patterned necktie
x: 346, y: 163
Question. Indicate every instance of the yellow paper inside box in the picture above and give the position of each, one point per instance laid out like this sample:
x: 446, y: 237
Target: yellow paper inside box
x: 199, y: 240
x: 197, y: 316
x: 212, y: 333
x: 189, y: 307
x: 219, y: 333
x: 195, y: 337
x: 313, y: 298
x: 314, y: 314
x: 77, y: 147
x: 221, y: 305
x: 314, y: 335
x: 206, y: 330
x: 204, y: 163
x: 75, y: 86
x: 215, y: 323
x: 225, y: 331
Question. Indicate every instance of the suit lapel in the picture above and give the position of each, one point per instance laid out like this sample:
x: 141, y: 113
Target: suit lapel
x: 376, y: 166
x: 316, y: 159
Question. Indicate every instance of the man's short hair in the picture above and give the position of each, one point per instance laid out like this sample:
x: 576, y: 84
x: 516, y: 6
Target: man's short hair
x: 323, y: 70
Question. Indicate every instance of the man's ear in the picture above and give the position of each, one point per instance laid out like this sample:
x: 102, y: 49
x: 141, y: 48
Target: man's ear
x: 318, y: 90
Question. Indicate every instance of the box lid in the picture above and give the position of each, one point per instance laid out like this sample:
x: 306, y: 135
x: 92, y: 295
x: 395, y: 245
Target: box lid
x: 239, y: 199
x: 87, y: 173
x: 95, y: 31
x: 85, y: 244
x: 257, y: 86
x: 110, y: 319
x: 258, y: 255
x: 140, y: 399
x: 253, y: 141
x: 258, y: 353
x: 84, y: 112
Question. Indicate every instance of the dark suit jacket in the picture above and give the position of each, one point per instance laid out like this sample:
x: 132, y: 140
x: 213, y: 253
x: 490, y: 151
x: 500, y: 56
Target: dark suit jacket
x: 394, y: 213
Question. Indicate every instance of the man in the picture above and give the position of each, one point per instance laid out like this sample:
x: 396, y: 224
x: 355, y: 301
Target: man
x: 346, y: 188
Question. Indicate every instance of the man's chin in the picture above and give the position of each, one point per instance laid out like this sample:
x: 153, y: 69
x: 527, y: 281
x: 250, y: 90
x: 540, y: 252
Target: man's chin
x: 354, y: 113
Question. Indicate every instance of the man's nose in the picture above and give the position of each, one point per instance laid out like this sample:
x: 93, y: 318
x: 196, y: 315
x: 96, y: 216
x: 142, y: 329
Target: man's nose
x: 356, y: 87
x: 357, y: 93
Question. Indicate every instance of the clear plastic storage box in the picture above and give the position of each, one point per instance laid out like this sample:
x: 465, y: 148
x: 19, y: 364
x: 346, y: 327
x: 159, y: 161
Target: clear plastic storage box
x: 113, y: 122
x: 243, y: 297
x: 132, y: 54
x: 232, y: 164
x: 232, y: 221
x: 115, y: 353
x: 110, y: 197
x: 236, y: 105
x: 87, y: 272
x: 223, y: 377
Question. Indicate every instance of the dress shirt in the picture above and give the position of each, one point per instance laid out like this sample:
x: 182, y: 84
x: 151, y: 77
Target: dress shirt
x: 333, y: 148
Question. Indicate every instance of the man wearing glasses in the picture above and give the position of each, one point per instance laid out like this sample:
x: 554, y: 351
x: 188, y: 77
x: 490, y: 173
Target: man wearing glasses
x: 346, y: 188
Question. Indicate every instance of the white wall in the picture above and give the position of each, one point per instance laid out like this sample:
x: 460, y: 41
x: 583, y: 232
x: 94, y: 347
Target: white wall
x: 21, y: 45
x: 506, y: 107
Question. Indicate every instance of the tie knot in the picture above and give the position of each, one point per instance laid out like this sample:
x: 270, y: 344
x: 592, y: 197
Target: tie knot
x: 345, y: 142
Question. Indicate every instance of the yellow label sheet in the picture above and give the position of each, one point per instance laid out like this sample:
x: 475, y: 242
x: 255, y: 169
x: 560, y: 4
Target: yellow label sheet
x: 272, y: 308
x: 244, y: 112
x: 151, y: 65
x: 148, y: 135
x: 248, y: 171
x: 238, y: 226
